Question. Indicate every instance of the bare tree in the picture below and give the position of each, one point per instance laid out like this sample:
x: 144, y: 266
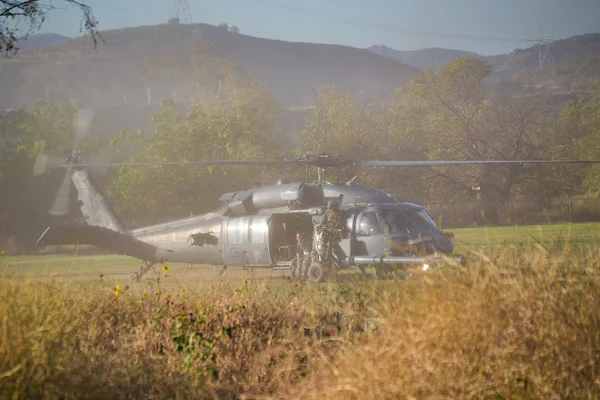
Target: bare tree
x: 19, y: 18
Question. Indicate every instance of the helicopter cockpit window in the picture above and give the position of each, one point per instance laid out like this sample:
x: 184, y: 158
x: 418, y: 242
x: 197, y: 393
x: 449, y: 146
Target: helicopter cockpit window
x: 425, y: 219
x: 407, y: 220
x: 395, y: 221
x: 369, y: 224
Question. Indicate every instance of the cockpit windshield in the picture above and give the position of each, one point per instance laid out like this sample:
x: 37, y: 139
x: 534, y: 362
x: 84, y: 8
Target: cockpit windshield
x: 408, y: 220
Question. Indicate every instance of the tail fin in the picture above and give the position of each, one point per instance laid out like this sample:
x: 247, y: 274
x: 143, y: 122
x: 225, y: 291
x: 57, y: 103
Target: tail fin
x: 93, y: 203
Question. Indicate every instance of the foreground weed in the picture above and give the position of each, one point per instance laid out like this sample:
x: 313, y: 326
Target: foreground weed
x: 514, y: 323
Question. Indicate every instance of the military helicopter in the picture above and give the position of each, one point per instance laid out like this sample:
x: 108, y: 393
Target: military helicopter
x: 258, y: 228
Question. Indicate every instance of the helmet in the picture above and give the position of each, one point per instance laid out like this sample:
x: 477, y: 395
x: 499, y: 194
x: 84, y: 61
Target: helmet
x: 332, y: 204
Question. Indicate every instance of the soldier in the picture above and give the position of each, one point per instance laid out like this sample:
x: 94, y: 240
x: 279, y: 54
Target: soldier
x: 301, y: 262
x: 333, y: 217
x: 303, y: 246
x: 332, y: 225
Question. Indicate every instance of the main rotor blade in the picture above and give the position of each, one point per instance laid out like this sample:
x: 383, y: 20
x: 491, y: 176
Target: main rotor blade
x: 62, y: 200
x: 466, y: 162
x: 375, y: 163
x: 202, y: 162
x: 82, y: 125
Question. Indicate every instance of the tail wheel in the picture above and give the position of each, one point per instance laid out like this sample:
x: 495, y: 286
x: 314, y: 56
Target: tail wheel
x: 317, y: 272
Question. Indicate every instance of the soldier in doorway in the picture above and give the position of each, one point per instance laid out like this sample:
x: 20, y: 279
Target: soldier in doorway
x: 303, y: 244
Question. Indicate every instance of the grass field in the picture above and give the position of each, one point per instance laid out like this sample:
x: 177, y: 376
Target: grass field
x: 520, y: 320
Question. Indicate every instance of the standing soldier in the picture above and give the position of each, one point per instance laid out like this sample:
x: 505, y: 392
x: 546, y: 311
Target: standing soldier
x: 301, y: 262
x: 303, y: 247
x: 332, y: 225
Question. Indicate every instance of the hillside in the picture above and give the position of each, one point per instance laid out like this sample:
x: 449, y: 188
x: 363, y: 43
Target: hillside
x: 430, y: 57
x: 39, y: 39
x: 72, y: 69
x: 572, y: 50
x: 567, y: 77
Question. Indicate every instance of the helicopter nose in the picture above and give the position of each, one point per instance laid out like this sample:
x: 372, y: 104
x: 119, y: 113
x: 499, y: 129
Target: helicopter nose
x: 444, y: 244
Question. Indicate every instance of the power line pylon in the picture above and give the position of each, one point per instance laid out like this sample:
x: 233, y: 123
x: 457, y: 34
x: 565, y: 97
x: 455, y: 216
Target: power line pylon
x: 182, y: 11
x: 544, y: 43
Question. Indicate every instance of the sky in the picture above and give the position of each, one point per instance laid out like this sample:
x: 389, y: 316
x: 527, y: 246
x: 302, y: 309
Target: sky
x: 483, y: 26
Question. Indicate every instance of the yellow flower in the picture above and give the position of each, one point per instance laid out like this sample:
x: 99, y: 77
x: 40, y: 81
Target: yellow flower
x: 117, y: 289
x: 165, y: 268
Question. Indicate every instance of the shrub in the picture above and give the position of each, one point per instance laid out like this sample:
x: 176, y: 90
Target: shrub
x: 509, y: 324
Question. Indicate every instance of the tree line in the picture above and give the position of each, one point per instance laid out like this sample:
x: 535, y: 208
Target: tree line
x: 439, y: 114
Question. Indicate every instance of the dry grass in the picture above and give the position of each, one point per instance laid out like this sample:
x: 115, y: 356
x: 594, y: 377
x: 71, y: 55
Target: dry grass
x: 509, y: 325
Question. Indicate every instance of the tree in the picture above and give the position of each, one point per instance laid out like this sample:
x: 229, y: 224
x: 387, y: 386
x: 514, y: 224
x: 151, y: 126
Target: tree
x: 454, y: 118
x: 32, y: 14
x: 234, y: 29
x: 239, y: 123
x: 582, y: 118
x: 342, y: 125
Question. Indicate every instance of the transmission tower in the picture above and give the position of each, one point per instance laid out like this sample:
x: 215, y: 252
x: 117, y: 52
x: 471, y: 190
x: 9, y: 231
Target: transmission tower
x: 544, y: 42
x: 182, y: 11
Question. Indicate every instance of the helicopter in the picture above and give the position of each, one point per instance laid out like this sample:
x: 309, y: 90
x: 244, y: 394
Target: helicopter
x: 260, y: 227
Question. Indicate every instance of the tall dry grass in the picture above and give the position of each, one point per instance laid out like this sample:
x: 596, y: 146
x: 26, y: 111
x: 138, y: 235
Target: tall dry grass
x: 510, y: 325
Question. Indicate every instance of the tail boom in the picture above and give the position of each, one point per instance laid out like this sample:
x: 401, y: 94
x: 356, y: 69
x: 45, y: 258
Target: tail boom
x: 100, y: 237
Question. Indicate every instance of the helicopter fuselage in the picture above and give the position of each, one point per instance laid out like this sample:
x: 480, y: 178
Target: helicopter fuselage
x: 268, y: 238
x: 258, y: 228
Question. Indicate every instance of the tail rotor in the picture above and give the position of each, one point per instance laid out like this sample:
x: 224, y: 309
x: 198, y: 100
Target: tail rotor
x: 43, y: 163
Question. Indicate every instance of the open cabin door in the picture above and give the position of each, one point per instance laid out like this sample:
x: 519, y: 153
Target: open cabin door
x: 247, y: 243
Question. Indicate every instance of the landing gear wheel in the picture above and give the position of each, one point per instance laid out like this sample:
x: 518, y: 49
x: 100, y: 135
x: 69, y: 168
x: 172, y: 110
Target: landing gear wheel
x: 317, y: 272
x: 135, y: 277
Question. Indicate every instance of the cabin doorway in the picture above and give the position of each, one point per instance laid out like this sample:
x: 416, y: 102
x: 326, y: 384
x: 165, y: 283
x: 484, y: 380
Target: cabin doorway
x: 282, y: 234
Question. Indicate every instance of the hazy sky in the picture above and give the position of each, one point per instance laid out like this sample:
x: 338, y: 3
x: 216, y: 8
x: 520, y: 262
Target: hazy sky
x: 401, y: 24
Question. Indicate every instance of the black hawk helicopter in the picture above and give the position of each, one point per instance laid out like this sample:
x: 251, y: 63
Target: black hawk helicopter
x: 260, y: 227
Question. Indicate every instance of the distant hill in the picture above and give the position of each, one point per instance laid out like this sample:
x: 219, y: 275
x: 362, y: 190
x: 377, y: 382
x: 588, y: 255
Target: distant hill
x: 430, y: 57
x: 573, y: 62
x: 39, y: 39
x: 72, y: 69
